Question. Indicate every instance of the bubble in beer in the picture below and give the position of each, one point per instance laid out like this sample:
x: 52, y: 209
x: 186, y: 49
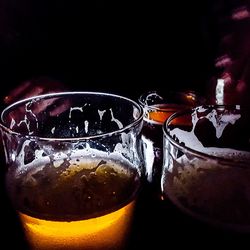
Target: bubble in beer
x: 73, y: 190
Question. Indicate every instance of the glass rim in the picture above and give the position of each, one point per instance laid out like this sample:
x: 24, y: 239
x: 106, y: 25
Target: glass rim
x: 70, y: 93
x: 178, y: 93
x: 142, y: 103
x: 197, y: 153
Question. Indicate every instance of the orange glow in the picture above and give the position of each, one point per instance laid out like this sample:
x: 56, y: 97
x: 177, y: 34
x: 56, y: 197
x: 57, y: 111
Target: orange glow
x: 160, y: 116
x: 163, y: 111
x: 104, y: 232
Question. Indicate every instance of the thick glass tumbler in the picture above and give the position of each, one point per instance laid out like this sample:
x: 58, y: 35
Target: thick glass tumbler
x: 157, y: 108
x: 206, y: 168
x: 74, y: 168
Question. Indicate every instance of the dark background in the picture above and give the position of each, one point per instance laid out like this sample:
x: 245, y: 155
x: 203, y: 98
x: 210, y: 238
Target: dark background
x: 125, y: 47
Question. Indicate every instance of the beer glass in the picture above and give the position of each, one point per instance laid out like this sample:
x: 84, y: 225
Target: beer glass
x: 206, y: 167
x: 74, y: 168
x: 157, y: 108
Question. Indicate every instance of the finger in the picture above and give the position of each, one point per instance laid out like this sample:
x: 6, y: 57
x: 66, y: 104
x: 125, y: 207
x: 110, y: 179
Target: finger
x: 240, y: 13
x: 59, y: 109
x: 37, y: 90
x: 236, y: 86
x: 26, y: 117
x: 15, y: 93
x: 34, y: 87
x: 233, y: 72
x: 21, y: 111
x: 40, y: 106
x: 52, y: 106
x: 223, y: 61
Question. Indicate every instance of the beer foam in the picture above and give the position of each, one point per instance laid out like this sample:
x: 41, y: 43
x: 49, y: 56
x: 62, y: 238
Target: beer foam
x: 29, y: 119
x: 220, y: 122
x: 153, y: 98
x: 46, y: 155
x: 192, y: 142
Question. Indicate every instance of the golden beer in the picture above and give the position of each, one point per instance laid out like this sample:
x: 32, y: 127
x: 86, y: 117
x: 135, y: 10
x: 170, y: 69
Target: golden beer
x: 87, y: 204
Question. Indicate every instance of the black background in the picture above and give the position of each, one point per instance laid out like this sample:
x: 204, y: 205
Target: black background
x: 124, y: 47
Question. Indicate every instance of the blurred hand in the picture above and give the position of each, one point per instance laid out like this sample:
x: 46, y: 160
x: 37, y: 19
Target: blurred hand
x: 233, y: 62
x: 33, y: 87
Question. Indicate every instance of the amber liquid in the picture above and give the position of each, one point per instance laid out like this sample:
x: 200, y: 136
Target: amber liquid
x: 103, y: 232
x: 85, y: 205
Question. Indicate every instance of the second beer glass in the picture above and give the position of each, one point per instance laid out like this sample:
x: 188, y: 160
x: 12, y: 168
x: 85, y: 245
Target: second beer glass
x: 157, y: 108
x: 206, y: 170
